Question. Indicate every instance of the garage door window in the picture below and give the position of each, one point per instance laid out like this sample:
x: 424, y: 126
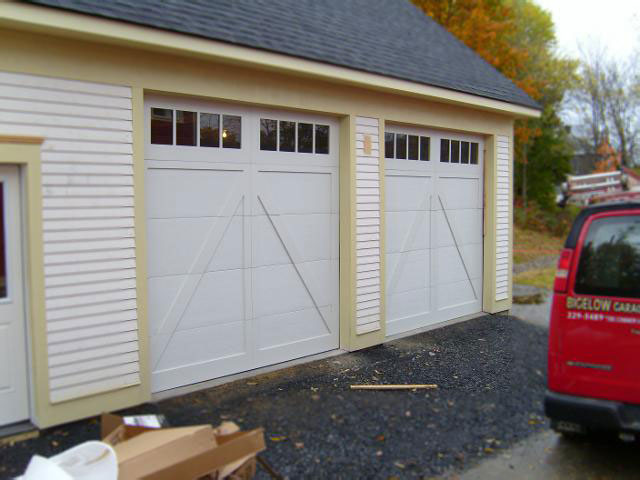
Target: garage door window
x: 290, y: 136
x: 186, y: 128
x: 161, y: 126
x: 231, y: 131
x: 457, y: 151
x: 474, y: 153
x: 209, y: 130
x: 191, y: 125
x: 444, y: 150
x: 305, y: 137
x: 406, y: 147
x: 322, y: 139
x: 424, y: 148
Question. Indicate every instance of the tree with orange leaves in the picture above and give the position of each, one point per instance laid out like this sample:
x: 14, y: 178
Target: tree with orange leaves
x: 517, y: 38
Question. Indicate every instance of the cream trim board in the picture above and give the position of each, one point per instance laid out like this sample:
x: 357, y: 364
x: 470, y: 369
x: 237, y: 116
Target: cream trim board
x: 140, y: 229
x: 36, y: 18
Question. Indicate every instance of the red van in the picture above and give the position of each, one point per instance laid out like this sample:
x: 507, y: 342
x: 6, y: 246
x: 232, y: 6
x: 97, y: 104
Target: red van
x: 594, y: 335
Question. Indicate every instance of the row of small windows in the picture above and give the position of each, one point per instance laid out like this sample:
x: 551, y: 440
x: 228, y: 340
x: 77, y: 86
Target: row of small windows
x: 204, y: 130
x: 289, y: 136
x: 457, y: 151
x: 192, y: 129
x: 403, y: 146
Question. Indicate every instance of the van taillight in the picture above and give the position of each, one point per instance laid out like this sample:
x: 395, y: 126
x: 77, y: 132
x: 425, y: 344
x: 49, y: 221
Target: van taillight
x: 562, y: 273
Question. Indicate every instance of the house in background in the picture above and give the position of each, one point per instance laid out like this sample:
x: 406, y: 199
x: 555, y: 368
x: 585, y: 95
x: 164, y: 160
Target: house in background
x: 195, y: 190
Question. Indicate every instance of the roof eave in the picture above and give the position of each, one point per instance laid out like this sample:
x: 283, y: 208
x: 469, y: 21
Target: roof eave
x: 64, y: 23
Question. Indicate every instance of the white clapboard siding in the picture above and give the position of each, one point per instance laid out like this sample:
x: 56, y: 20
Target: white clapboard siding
x: 88, y: 226
x: 367, y: 226
x: 503, y: 213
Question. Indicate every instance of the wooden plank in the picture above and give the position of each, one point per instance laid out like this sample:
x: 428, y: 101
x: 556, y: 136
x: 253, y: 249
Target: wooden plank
x: 72, y: 134
x: 94, y: 342
x: 395, y: 387
x: 78, y: 268
x: 86, y: 169
x: 57, y: 96
x: 95, y: 287
x: 370, y: 327
x: 99, y: 363
x: 368, y: 289
x: 86, y: 147
x: 82, y: 180
x: 87, y: 158
x: 62, y: 258
x: 16, y: 105
x: 63, y: 84
x: 85, y: 224
x: 52, y: 120
x: 89, y: 299
x: 105, y: 385
x: 90, y: 332
x: 86, y: 355
x: 92, y: 321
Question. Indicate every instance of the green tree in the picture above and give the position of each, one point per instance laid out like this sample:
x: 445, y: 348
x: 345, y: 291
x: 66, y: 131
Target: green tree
x: 548, y: 161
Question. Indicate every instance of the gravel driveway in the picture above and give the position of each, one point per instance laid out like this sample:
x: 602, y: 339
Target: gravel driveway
x: 490, y: 373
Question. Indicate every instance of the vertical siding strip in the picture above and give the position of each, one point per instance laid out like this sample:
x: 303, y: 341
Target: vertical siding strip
x: 502, y: 211
x: 368, y: 213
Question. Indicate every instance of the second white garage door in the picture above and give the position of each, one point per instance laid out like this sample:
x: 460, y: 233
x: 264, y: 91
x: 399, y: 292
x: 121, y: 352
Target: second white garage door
x: 242, y: 210
x: 434, y: 216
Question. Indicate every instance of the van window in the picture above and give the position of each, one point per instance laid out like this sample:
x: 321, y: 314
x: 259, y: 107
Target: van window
x: 610, y: 258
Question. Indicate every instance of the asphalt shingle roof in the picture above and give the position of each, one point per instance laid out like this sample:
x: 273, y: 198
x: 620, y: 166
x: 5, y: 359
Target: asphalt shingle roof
x: 388, y: 37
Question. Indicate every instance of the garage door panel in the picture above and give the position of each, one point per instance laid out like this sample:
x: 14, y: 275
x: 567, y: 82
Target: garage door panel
x: 408, y: 271
x: 283, y: 288
x: 175, y: 242
x: 190, y: 193
x: 463, y: 225
x: 284, y: 329
x: 230, y: 252
x: 187, y: 348
x: 458, y: 192
x: 305, y: 237
x: 407, y: 231
x: 459, y: 293
x: 162, y: 293
x: 406, y: 192
x: 453, y: 266
x: 219, y: 298
x: 405, y: 306
x: 294, y: 192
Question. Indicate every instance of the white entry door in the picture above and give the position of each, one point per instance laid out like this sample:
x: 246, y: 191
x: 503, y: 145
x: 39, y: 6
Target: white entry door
x: 242, y: 218
x: 434, y: 215
x: 14, y: 397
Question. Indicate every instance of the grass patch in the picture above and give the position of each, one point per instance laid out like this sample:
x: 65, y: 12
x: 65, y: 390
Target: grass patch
x: 538, y: 277
x: 531, y: 244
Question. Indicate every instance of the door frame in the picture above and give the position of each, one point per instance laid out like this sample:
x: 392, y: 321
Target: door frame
x: 24, y: 152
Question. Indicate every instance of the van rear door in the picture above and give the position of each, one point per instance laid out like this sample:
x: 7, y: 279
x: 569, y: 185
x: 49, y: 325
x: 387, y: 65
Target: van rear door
x: 599, y: 341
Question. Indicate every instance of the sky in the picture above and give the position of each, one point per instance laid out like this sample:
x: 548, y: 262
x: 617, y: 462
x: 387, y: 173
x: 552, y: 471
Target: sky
x: 614, y: 24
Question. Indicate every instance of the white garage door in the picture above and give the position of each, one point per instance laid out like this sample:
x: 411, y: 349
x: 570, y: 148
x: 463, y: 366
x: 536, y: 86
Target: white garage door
x: 434, y: 192
x: 242, y: 226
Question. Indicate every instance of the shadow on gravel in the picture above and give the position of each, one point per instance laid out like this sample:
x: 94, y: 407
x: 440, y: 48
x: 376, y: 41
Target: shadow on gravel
x: 491, y: 377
